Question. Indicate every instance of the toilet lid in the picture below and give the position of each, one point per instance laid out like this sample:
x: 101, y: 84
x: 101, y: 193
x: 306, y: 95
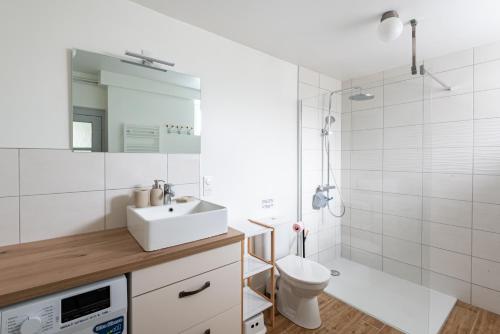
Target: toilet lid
x: 303, y: 270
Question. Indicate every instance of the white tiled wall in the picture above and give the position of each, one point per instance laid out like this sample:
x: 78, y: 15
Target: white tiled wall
x: 323, y: 241
x: 52, y: 193
x: 424, y: 175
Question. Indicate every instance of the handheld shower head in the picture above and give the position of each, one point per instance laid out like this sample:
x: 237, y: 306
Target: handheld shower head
x: 329, y: 120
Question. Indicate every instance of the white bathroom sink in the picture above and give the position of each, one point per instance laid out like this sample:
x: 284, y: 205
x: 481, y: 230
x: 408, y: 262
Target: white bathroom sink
x: 169, y: 225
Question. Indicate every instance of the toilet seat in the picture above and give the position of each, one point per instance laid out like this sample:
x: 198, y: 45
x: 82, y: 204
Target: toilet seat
x: 303, y: 270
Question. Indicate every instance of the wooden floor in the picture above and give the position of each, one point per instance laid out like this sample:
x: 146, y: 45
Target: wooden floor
x: 341, y: 318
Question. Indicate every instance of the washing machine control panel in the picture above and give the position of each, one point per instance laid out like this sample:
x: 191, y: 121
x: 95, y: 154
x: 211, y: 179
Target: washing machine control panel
x: 78, y: 310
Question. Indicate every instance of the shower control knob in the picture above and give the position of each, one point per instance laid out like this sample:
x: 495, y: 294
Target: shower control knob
x: 32, y: 325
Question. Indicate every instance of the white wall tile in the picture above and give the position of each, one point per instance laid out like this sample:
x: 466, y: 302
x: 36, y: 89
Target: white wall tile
x: 403, y: 228
x: 487, y: 217
x: 403, y: 270
x: 403, y: 114
x: 446, y: 262
x: 487, y: 188
x: 448, y: 211
x: 486, y: 298
x: 453, y: 238
x: 450, y: 61
x: 346, y: 104
x: 192, y: 189
x: 345, y: 251
x: 311, y: 160
x: 408, y: 183
x: 366, y: 139
x: 9, y: 172
x: 9, y: 220
x: 486, y: 104
x: 311, y: 179
x: 326, y: 238
x: 346, y: 121
x: 376, y: 102
x: 328, y: 83
x: 487, y: 52
x: 309, y: 95
x: 366, y: 220
x: 57, y: 171
x: 366, y: 200
x: 448, y: 160
x: 486, y: 273
x: 452, y: 134
x: 130, y: 170
x: 57, y: 215
x: 403, y: 91
x: 403, y: 205
x: 116, y: 207
x: 366, y: 180
x: 487, y: 75
x: 460, y: 80
x: 400, y: 73
x: 183, y: 168
x: 403, y: 160
x: 311, y: 118
x: 403, y: 137
x: 486, y: 245
x: 366, y: 258
x: 367, y: 160
x: 448, y: 285
x: 367, y: 119
x: 311, y: 139
x: 346, y: 140
x: 368, y: 241
x: 367, y: 81
x: 449, y: 109
x: 402, y: 250
x: 450, y: 186
x: 311, y: 220
x: 486, y: 132
x: 308, y: 76
x: 327, y: 256
x: 487, y: 160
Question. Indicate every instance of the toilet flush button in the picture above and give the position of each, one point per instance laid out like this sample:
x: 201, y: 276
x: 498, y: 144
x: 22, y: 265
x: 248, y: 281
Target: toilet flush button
x: 31, y: 326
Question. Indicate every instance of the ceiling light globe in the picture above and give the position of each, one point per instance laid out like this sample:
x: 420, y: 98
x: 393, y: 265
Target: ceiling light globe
x: 390, y: 27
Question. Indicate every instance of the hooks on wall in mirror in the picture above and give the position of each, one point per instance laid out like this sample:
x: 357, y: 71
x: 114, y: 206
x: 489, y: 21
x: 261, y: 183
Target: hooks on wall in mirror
x: 179, y: 129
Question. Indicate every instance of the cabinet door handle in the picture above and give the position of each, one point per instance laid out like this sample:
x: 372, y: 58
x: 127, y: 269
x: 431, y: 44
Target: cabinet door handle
x: 183, y: 294
x: 207, y: 331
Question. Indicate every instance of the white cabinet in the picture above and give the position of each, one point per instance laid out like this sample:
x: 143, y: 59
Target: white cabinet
x: 196, y: 294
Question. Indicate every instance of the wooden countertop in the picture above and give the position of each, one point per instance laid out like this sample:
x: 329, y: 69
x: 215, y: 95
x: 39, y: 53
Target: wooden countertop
x: 38, y: 268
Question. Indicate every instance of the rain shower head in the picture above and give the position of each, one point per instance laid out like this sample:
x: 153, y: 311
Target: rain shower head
x: 361, y: 96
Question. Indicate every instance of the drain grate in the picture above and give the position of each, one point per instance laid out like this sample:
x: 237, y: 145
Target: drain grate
x: 334, y: 272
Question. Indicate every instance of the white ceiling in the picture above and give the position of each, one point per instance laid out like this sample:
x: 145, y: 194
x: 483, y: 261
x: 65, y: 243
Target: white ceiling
x: 339, y: 37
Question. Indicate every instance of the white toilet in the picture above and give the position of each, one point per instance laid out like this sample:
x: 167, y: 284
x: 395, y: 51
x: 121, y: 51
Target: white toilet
x: 300, y: 280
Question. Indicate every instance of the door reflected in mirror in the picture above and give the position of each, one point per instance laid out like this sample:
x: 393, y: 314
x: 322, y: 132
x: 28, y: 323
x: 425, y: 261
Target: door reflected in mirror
x: 120, y: 105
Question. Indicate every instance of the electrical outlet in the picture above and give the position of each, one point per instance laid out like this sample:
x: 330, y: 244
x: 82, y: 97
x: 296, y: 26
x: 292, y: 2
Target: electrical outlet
x: 267, y: 203
x: 207, y: 185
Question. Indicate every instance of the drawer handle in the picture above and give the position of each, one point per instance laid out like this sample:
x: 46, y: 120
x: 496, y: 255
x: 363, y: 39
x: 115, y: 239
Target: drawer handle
x: 207, y: 331
x: 183, y: 294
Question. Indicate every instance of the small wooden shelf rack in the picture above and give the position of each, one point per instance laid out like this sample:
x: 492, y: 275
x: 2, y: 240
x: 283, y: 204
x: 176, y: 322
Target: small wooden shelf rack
x: 255, y: 302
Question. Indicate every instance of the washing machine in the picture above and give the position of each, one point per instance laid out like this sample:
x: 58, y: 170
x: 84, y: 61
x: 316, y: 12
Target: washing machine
x: 97, y: 308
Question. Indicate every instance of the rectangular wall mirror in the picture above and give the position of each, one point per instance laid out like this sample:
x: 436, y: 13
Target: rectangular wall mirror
x: 120, y: 105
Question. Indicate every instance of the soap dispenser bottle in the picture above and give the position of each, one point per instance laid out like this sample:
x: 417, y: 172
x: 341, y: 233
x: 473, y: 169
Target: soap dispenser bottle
x: 156, y: 194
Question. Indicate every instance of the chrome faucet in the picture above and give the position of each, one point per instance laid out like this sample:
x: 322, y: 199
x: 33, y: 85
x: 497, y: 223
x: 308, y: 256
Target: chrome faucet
x: 168, y: 193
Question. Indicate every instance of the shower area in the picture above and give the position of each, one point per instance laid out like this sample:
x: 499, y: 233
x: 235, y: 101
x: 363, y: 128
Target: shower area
x: 369, y: 194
